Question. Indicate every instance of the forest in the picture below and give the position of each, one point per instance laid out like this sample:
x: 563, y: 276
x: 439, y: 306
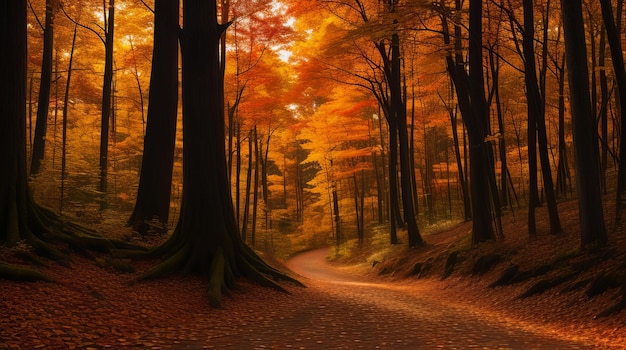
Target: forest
x: 168, y: 139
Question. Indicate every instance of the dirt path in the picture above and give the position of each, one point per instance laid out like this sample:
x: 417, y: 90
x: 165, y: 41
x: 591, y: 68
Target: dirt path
x: 358, y: 313
x: 92, y: 308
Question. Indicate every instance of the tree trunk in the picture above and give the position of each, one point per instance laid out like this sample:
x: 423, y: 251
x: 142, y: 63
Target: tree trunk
x: 246, y: 202
x: 255, y: 185
x: 536, y: 129
x: 399, y: 107
x: 357, y: 211
x: 336, y: 217
x: 603, y: 114
x: 206, y: 239
x: 106, y: 96
x: 155, y: 182
x: 592, y: 228
x: 467, y: 207
x: 39, y: 142
x: 563, y: 172
x: 65, y: 116
x: 20, y: 217
x: 620, y: 77
x: 481, y: 169
x: 14, y: 194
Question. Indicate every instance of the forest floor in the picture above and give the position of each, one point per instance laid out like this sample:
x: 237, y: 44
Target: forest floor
x: 89, y: 307
x: 579, y: 285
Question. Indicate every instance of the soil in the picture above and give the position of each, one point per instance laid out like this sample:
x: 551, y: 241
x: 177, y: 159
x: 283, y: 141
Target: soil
x: 88, y: 307
x: 565, y: 309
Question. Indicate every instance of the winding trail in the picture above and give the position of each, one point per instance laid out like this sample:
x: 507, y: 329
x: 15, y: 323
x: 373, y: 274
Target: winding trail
x: 340, y: 310
x: 92, y: 308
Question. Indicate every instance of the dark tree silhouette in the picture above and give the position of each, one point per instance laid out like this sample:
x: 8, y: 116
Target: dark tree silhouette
x: 472, y: 104
x: 153, y: 194
x: 206, y: 239
x: 20, y: 217
x: 109, y: 25
x: 620, y: 77
x: 41, y: 124
x: 592, y: 227
x: 536, y: 133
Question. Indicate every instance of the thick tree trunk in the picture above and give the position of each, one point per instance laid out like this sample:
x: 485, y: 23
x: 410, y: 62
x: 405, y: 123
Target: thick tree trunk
x: 20, y: 217
x: 153, y: 194
x: 14, y: 197
x: 592, y: 227
x: 481, y: 169
x: 39, y: 142
x: 206, y: 239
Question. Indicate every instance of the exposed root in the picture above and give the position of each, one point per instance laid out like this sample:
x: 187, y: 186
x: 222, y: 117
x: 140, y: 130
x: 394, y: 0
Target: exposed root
x: 222, y: 264
x: 21, y: 274
x: 167, y: 267
x: 216, y: 282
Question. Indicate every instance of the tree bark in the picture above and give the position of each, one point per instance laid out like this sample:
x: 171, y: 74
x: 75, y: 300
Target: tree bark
x: 43, y: 104
x: 155, y: 182
x: 106, y: 96
x: 399, y: 107
x: 536, y: 129
x: 620, y: 77
x: 206, y: 239
x: 592, y: 227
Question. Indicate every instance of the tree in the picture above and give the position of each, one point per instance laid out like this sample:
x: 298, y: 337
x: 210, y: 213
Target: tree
x: 471, y: 98
x: 20, y: 217
x: 206, y: 239
x: 153, y: 194
x: 109, y: 25
x: 620, y: 76
x: 44, y: 88
x: 536, y: 127
x: 592, y: 227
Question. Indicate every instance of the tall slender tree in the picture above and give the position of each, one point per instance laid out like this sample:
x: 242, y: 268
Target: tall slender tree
x: 107, y: 90
x: 536, y: 127
x: 45, y: 82
x: 617, y: 57
x: 592, y: 227
x: 470, y: 90
x: 153, y: 194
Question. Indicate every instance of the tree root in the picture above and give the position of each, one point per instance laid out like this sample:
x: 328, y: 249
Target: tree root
x: 617, y: 307
x: 222, y: 264
x: 217, y: 282
x: 20, y: 274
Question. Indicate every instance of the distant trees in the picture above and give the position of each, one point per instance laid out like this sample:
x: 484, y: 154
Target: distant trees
x: 282, y: 78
